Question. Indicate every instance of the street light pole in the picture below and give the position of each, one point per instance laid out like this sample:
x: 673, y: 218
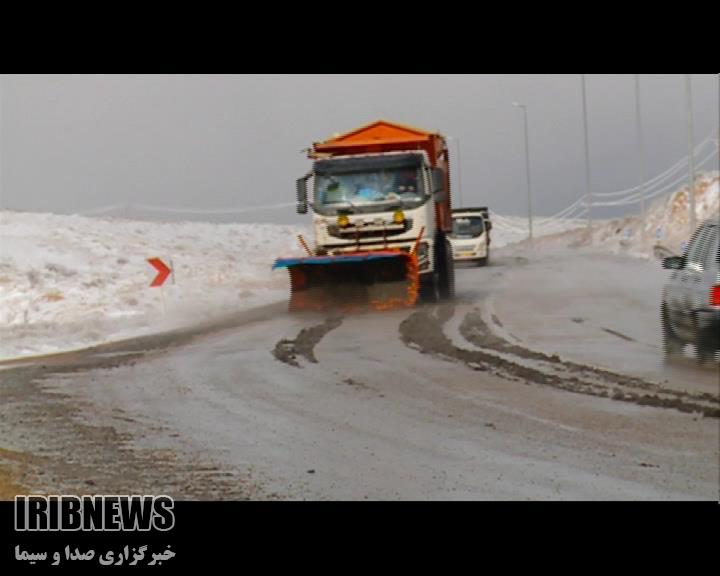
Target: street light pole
x: 523, y: 107
x: 588, y: 198
x: 691, y: 152
x: 2, y: 76
x: 459, y: 168
x: 641, y: 154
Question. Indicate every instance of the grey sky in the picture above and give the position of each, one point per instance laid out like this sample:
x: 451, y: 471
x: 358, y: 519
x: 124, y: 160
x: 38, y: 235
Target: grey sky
x: 79, y: 142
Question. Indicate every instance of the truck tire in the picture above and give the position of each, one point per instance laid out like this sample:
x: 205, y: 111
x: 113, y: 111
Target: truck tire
x: 446, y: 268
x: 430, y: 288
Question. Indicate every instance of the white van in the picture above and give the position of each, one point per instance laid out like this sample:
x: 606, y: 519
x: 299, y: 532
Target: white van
x: 470, y: 237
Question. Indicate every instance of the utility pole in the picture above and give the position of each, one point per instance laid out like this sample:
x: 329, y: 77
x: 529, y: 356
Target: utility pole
x: 641, y: 154
x: 459, y: 170
x: 523, y: 107
x: 459, y: 167
x: 588, y: 197
x: 2, y: 76
x: 691, y: 152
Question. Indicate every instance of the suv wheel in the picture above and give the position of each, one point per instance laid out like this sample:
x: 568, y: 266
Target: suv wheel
x: 703, y: 351
x: 672, y: 345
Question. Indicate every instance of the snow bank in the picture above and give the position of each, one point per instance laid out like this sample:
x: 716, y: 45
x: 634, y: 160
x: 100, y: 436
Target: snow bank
x: 509, y: 230
x: 666, y: 228
x: 69, y: 282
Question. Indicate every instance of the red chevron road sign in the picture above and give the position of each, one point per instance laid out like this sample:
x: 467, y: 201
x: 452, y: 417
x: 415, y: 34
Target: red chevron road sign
x: 163, y: 271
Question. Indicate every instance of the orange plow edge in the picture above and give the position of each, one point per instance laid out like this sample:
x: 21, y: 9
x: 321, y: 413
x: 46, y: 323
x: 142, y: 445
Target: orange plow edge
x: 382, y: 280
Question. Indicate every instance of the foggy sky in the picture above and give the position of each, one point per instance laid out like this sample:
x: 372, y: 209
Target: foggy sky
x: 70, y: 143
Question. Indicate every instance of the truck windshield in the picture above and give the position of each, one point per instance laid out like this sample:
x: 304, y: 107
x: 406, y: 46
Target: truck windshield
x: 376, y: 190
x: 467, y: 227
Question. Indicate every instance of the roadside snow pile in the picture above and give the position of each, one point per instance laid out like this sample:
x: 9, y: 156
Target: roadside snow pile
x: 668, y: 220
x: 666, y: 225
x: 68, y: 282
x: 509, y: 230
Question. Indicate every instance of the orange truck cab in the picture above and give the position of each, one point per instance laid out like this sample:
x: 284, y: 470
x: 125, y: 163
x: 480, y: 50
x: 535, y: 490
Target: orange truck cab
x: 384, y: 187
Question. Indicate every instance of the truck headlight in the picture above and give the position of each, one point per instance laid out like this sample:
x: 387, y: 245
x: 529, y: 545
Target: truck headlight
x: 343, y: 221
x: 399, y: 217
x: 423, y: 256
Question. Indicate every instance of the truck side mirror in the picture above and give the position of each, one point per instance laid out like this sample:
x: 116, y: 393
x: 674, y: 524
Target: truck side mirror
x: 301, y: 187
x: 488, y: 225
x: 438, y: 184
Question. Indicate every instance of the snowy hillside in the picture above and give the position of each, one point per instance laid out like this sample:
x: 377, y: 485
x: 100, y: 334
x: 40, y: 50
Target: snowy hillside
x: 666, y: 225
x: 68, y: 282
x: 509, y: 230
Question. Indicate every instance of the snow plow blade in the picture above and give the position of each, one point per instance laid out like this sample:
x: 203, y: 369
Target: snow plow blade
x: 384, y: 280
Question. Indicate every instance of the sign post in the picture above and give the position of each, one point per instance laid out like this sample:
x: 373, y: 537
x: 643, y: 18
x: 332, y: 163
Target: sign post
x: 163, y: 272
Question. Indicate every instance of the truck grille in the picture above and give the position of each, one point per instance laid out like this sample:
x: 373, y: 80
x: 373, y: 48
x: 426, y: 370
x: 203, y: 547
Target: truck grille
x: 371, y: 230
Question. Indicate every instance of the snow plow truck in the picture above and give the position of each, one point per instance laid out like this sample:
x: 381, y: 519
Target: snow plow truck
x: 381, y: 206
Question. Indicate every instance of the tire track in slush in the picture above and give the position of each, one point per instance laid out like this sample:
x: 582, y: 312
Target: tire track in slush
x: 423, y: 331
x: 304, y: 343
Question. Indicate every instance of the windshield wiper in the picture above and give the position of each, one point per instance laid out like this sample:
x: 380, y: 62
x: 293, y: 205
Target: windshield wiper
x: 393, y: 203
x: 353, y: 206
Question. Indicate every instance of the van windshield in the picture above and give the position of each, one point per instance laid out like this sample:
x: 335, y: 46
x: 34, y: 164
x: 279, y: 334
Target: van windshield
x: 467, y: 227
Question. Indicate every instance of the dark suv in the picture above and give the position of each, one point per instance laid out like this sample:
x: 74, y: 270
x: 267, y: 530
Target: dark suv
x: 690, y: 308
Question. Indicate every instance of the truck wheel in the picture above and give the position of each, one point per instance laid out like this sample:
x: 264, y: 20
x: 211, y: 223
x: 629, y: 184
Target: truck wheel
x: 430, y: 288
x: 672, y: 345
x: 446, y: 268
x: 482, y: 262
x: 451, y: 271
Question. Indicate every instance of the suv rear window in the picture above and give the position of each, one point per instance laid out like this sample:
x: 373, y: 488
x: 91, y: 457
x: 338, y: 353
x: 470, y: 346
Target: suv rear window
x: 713, y: 254
x: 699, y: 248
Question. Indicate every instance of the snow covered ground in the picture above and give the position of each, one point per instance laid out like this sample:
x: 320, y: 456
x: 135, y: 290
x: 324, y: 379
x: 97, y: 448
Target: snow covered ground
x: 666, y: 228
x: 68, y: 282
x: 508, y: 230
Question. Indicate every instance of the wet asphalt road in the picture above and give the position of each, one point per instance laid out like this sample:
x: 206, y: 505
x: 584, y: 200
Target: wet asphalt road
x: 544, y: 379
